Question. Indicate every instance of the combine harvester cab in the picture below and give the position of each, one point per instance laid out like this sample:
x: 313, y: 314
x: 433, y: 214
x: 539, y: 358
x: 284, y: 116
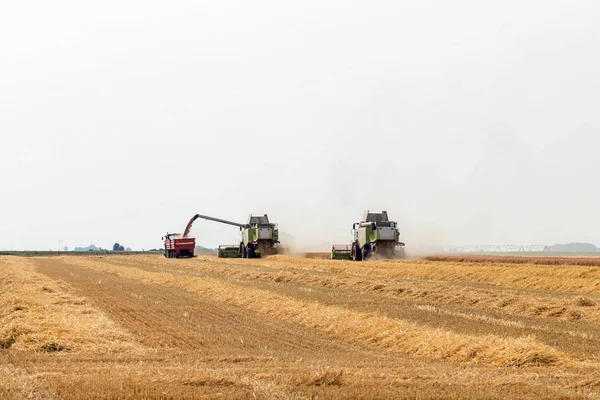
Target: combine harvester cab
x: 376, y: 236
x: 259, y: 237
x: 178, y: 247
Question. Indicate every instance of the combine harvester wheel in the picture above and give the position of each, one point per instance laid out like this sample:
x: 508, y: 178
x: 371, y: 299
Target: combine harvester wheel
x: 357, y: 254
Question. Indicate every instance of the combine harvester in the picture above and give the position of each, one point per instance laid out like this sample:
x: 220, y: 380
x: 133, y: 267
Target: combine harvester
x: 375, y: 235
x: 259, y: 237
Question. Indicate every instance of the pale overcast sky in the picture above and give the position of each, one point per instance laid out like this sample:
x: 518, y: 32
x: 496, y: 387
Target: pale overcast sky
x: 471, y: 122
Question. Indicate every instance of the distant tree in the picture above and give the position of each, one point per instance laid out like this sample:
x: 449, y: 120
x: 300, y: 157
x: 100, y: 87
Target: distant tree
x: 91, y: 247
x: 128, y: 249
x: 65, y: 248
x: 118, y: 247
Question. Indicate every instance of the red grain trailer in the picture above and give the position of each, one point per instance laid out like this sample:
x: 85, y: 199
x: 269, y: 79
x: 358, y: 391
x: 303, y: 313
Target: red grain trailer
x: 177, y: 247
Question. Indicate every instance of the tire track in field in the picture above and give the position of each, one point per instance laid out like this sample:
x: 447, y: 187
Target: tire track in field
x: 509, y: 301
x: 521, y: 303
x: 355, y: 328
x: 170, y: 318
x: 579, y: 340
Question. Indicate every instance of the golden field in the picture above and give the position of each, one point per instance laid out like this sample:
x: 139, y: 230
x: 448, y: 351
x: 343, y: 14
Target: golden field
x: 144, y: 327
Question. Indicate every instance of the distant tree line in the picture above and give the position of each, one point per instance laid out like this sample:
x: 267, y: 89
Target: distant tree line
x: 92, y: 247
x: 573, y: 248
x: 201, y: 249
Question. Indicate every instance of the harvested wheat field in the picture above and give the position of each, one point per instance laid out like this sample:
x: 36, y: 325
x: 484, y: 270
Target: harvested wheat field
x: 142, y: 326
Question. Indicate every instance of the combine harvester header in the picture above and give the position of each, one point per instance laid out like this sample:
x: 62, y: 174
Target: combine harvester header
x: 341, y: 252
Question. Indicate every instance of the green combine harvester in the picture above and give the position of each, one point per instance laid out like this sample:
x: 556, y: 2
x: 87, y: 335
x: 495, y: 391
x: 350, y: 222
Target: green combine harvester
x: 375, y: 235
x: 259, y: 237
